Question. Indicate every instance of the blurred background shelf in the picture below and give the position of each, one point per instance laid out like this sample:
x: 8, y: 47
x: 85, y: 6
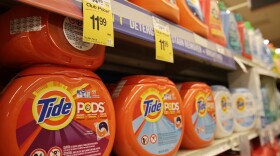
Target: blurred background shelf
x: 221, y: 145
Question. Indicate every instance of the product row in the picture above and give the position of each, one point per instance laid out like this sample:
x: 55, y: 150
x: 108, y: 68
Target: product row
x: 50, y: 108
x: 212, y: 20
x: 59, y: 39
x: 54, y: 106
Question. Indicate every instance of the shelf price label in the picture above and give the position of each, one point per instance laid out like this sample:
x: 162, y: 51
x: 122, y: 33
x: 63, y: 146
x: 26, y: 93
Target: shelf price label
x: 244, y: 145
x: 200, y: 40
x: 240, y: 63
x: 98, y: 22
x: 164, y: 49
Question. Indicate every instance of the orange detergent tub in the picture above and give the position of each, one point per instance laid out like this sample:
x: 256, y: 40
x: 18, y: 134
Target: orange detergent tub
x: 212, y: 19
x: 56, y: 111
x: 30, y: 35
x: 199, y: 114
x: 148, y: 115
x: 165, y: 8
x: 189, y: 20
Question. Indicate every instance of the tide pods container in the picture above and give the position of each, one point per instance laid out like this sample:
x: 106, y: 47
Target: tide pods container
x: 224, y: 111
x: 244, y: 109
x: 49, y: 110
x: 199, y: 114
x: 31, y: 35
x: 148, y: 115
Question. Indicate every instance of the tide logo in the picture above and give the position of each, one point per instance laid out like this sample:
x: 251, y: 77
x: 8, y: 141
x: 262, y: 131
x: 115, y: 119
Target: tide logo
x: 151, y: 105
x: 53, y: 107
x: 200, y: 103
x: 224, y: 104
x: 240, y: 104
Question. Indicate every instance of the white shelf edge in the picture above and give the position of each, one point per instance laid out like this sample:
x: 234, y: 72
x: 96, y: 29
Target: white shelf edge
x: 221, y: 145
x: 262, y: 70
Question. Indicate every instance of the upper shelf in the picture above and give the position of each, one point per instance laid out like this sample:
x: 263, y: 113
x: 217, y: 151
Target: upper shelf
x: 261, y: 69
x: 221, y: 145
x: 136, y: 22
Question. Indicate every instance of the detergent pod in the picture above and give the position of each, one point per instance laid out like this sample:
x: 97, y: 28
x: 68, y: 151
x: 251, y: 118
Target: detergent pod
x: 191, y: 16
x: 49, y: 110
x: 165, y: 8
x: 224, y: 111
x: 148, y: 115
x: 30, y: 35
x: 199, y: 114
x: 213, y: 21
x: 244, y: 109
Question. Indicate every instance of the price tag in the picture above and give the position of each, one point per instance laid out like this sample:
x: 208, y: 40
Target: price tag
x: 200, y: 40
x: 263, y: 135
x: 271, y: 136
x: 244, y: 145
x: 220, y: 49
x: 164, y: 50
x: 241, y: 65
x: 98, y: 22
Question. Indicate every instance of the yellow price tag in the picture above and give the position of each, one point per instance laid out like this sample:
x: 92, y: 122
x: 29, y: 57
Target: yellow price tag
x: 98, y: 22
x: 164, y: 50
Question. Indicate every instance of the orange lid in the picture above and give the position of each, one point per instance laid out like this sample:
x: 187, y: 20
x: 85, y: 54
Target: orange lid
x: 57, y: 70
x: 143, y: 79
x: 193, y: 85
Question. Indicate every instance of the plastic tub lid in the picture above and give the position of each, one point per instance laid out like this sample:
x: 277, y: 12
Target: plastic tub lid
x: 218, y: 88
x: 144, y: 79
x: 239, y: 90
x: 57, y: 70
x: 193, y: 85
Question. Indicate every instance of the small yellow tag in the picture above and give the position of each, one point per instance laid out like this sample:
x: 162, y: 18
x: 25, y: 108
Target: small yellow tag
x: 164, y: 50
x: 98, y: 22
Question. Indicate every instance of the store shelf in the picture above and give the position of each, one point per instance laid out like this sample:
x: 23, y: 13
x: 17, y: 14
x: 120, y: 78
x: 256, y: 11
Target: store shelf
x: 136, y: 22
x: 261, y: 69
x: 221, y: 145
x: 134, y: 25
x: 266, y: 72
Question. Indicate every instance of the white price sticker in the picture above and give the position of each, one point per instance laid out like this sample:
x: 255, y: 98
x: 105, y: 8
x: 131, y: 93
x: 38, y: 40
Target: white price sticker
x: 244, y: 145
x: 103, y: 3
x: 200, y: 40
x: 271, y: 136
x: 241, y: 65
x: 220, y: 49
